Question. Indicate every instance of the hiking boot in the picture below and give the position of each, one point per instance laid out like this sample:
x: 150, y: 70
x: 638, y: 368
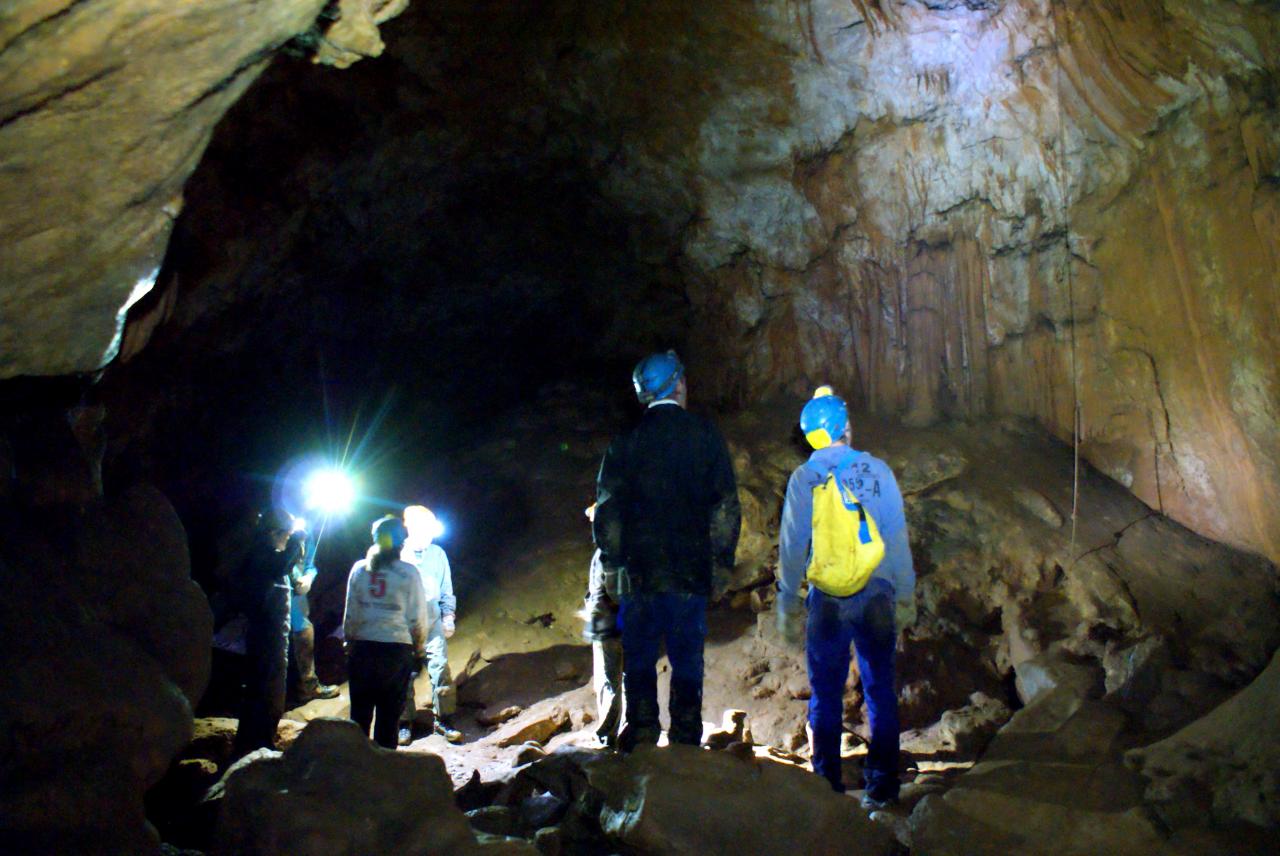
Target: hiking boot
x: 405, y: 736
x: 448, y: 732
x: 316, y: 691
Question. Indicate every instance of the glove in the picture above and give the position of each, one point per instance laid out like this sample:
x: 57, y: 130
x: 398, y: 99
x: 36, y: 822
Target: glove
x: 904, y: 614
x: 789, y: 612
x: 449, y: 626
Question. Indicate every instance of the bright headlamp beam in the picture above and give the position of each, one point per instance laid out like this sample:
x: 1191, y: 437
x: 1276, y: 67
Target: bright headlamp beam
x: 329, y: 491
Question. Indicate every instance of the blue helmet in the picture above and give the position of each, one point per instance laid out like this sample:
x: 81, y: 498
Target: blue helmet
x: 389, y: 533
x: 656, y: 376
x: 824, y: 418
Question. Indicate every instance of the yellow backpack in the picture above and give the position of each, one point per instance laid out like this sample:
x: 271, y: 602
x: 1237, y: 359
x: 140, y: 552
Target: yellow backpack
x: 847, y: 546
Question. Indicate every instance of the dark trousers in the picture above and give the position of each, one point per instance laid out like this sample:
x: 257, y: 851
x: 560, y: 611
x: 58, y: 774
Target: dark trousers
x: 647, y: 620
x: 266, y: 666
x: 379, y: 675
x: 864, y: 620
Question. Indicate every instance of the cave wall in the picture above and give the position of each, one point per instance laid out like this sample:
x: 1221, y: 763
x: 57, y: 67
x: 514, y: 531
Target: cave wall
x: 1065, y: 211
x: 106, y: 107
x: 1061, y: 211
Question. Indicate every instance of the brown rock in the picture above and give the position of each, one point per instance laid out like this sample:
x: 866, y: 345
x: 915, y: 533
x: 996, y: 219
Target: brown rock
x: 539, y: 728
x: 121, y: 100
x: 685, y: 800
x: 549, y: 840
x: 488, y: 719
x: 530, y: 752
x: 977, y: 822
x: 1045, y: 672
x: 1225, y: 761
x: 334, y: 791
x: 103, y: 642
x: 733, y: 729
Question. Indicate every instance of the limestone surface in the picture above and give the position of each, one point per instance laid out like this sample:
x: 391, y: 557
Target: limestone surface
x: 107, y: 108
x: 1225, y: 762
x: 334, y: 792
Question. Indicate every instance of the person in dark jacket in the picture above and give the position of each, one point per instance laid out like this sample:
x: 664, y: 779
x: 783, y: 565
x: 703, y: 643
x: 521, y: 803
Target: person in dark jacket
x: 261, y: 591
x: 667, y: 522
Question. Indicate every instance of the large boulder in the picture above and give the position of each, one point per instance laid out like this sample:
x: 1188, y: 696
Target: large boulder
x: 104, y: 649
x: 974, y: 822
x: 335, y: 792
x: 1224, y: 764
x: 687, y: 800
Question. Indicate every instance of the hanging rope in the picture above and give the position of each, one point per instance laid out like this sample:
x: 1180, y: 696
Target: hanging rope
x: 1064, y: 194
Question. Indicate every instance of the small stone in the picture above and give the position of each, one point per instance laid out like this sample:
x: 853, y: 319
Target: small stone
x: 549, y: 840
x: 798, y: 687
x: 733, y: 729
x: 529, y: 753
x: 489, y: 720
x: 538, y: 730
x: 493, y: 819
x: 1045, y: 672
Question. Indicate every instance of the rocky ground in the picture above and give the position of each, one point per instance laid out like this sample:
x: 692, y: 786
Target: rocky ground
x: 1046, y: 650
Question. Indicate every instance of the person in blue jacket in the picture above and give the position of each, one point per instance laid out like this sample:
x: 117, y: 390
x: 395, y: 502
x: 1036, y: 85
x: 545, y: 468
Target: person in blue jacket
x: 869, y: 619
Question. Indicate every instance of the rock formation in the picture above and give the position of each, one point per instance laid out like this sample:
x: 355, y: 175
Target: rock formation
x: 335, y: 792
x: 1065, y: 211
x: 107, y: 107
x: 103, y: 655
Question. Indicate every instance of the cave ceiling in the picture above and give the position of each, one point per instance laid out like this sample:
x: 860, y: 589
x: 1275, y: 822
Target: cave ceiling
x: 1061, y: 211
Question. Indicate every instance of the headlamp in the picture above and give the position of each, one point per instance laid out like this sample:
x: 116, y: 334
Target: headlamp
x: 330, y: 491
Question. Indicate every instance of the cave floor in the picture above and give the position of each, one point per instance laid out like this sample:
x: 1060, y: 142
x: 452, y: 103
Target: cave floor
x: 990, y: 508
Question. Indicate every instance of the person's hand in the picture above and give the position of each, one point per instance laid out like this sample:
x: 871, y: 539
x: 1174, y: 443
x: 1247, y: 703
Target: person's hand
x: 450, y: 625
x: 904, y: 614
x: 789, y: 613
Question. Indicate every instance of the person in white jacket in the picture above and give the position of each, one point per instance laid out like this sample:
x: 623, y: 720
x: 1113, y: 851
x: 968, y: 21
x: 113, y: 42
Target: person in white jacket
x: 442, y: 606
x: 385, y: 625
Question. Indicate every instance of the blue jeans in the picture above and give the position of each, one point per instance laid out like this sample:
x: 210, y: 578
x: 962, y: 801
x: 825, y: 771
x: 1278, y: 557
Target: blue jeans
x: 646, y: 621
x: 864, y: 620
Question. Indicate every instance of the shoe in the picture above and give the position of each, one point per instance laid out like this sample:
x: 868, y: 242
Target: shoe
x: 453, y: 735
x: 311, y: 693
x: 405, y: 737
x: 870, y: 803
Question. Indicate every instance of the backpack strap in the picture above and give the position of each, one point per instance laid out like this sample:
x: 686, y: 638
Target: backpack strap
x: 840, y: 462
